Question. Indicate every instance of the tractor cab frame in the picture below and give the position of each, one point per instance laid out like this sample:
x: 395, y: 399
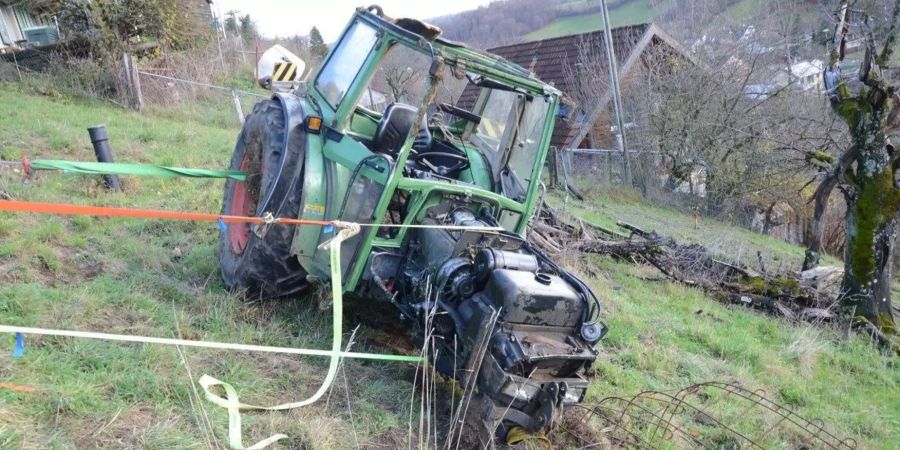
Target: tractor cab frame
x: 504, y: 158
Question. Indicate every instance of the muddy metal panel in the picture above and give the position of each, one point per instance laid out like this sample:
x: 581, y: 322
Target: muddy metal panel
x: 313, y: 206
x: 535, y: 298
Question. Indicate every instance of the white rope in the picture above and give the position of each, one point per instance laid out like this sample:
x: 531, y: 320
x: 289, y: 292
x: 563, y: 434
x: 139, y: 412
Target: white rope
x: 190, y: 343
x: 197, y: 83
x: 439, y: 227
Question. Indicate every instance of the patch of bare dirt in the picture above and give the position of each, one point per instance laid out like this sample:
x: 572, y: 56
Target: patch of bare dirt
x: 575, y: 431
x: 123, y: 430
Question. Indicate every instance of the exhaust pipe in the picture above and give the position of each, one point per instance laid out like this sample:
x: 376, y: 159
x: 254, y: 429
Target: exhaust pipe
x: 100, y: 141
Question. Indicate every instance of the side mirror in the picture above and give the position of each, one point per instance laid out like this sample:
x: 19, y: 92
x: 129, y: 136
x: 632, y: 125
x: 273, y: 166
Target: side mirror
x: 279, y: 70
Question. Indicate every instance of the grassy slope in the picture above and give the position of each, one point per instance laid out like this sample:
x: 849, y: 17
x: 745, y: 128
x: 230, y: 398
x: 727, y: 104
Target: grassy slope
x: 122, y: 275
x: 730, y: 243
x: 637, y: 11
x: 664, y: 336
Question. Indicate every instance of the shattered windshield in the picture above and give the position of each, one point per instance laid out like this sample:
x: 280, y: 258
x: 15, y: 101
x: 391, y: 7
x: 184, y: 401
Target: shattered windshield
x: 345, y: 63
x: 527, y: 141
x: 509, y: 136
x: 497, y: 113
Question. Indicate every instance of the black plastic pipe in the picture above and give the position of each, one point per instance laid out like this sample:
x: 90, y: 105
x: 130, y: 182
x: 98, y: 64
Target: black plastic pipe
x: 100, y: 141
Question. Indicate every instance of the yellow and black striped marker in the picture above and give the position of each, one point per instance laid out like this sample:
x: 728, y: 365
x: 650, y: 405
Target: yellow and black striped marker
x: 285, y: 71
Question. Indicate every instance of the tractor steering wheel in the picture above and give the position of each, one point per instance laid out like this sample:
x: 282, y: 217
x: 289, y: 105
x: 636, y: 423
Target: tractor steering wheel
x: 461, y: 162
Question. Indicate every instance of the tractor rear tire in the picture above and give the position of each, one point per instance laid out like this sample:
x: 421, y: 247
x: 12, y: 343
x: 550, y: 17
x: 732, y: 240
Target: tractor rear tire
x: 261, y: 267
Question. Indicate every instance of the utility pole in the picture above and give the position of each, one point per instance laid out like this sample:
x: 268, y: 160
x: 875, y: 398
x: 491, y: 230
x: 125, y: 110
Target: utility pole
x: 616, y: 94
x: 221, y: 21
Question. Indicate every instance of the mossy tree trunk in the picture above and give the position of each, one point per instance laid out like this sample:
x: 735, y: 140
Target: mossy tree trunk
x: 873, y: 200
x: 866, y: 172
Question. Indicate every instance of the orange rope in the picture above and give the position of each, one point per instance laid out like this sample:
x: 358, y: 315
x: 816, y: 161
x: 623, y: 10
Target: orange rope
x: 102, y: 211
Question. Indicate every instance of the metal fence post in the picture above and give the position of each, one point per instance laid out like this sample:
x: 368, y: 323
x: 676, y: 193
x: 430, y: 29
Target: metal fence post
x: 237, y: 106
x: 100, y: 141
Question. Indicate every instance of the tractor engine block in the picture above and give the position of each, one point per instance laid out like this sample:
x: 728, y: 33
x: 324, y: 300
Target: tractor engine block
x: 532, y: 359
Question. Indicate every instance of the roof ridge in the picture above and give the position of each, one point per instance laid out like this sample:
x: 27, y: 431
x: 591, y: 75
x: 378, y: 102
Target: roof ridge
x: 645, y: 25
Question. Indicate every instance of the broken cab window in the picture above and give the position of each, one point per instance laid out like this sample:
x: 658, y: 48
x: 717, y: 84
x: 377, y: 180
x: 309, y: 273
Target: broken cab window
x: 345, y: 62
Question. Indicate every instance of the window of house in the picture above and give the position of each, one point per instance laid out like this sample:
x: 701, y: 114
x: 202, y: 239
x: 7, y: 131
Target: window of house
x: 5, y: 35
x: 24, y: 19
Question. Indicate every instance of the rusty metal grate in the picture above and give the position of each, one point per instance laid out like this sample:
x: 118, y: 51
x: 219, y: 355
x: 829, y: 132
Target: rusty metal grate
x: 707, y: 415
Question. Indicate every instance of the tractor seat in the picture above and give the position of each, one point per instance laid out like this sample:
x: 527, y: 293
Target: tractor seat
x: 394, y: 127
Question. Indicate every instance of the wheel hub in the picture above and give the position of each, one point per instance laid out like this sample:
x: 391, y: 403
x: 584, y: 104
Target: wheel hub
x: 242, y: 204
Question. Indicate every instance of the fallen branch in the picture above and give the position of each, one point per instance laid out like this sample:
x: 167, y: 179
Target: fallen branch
x: 620, y: 249
x: 692, y: 265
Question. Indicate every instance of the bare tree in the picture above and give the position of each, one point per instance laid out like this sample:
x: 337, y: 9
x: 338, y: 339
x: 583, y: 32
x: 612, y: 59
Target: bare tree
x: 400, y: 79
x: 725, y: 122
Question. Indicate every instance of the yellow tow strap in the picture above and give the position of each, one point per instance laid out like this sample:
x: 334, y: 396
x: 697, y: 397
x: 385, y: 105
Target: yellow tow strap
x: 518, y: 435
x: 233, y: 404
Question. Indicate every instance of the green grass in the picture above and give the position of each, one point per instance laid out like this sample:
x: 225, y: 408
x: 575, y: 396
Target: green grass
x: 125, y: 276
x: 734, y: 245
x: 745, y: 9
x: 635, y: 12
x: 666, y: 336
x: 638, y: 11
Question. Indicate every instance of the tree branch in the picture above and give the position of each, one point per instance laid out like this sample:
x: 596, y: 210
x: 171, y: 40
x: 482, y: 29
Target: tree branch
x: 840, y: 36
x: 891, y: 39
x: 821, y: 196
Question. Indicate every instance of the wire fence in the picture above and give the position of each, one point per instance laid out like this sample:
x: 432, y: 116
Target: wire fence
x: 705, y: 415
x: 162, y: 90
x: 215, y: 80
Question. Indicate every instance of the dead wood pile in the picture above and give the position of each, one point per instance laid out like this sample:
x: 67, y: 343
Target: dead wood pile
x: 809, y: 296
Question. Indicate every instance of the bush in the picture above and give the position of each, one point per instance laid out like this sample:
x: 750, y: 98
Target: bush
x: 68, y: 75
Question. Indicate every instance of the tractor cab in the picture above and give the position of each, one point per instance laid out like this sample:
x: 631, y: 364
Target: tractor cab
x: 408, y: 118
x: 491, y: 142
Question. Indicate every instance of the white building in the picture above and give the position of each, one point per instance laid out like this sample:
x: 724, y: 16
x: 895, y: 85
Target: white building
x: 19, y: 28
x: 803, y: 75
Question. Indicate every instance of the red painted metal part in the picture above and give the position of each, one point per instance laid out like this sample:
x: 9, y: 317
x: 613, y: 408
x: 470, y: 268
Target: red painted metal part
x: 239, y: 233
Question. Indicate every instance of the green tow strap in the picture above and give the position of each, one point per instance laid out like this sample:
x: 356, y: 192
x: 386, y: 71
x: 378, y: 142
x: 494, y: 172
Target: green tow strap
x: 97, y: 168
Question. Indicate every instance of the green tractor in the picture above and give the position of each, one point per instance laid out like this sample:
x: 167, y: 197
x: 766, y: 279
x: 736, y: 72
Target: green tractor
x: 447, y: 190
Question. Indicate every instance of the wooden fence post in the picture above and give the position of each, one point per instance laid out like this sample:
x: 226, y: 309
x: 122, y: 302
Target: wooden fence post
x: 16, y: 62
x: 136, y: 81
x: 132, y: 82
x: 126, y: 78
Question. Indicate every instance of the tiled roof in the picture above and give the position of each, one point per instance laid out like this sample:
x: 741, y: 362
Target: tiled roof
x: 549, y: 58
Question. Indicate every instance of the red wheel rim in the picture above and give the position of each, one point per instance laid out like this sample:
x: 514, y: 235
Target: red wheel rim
x: 241, y: 205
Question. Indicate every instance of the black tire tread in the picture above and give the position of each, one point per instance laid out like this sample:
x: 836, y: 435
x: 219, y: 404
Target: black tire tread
x: 266, y: 268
